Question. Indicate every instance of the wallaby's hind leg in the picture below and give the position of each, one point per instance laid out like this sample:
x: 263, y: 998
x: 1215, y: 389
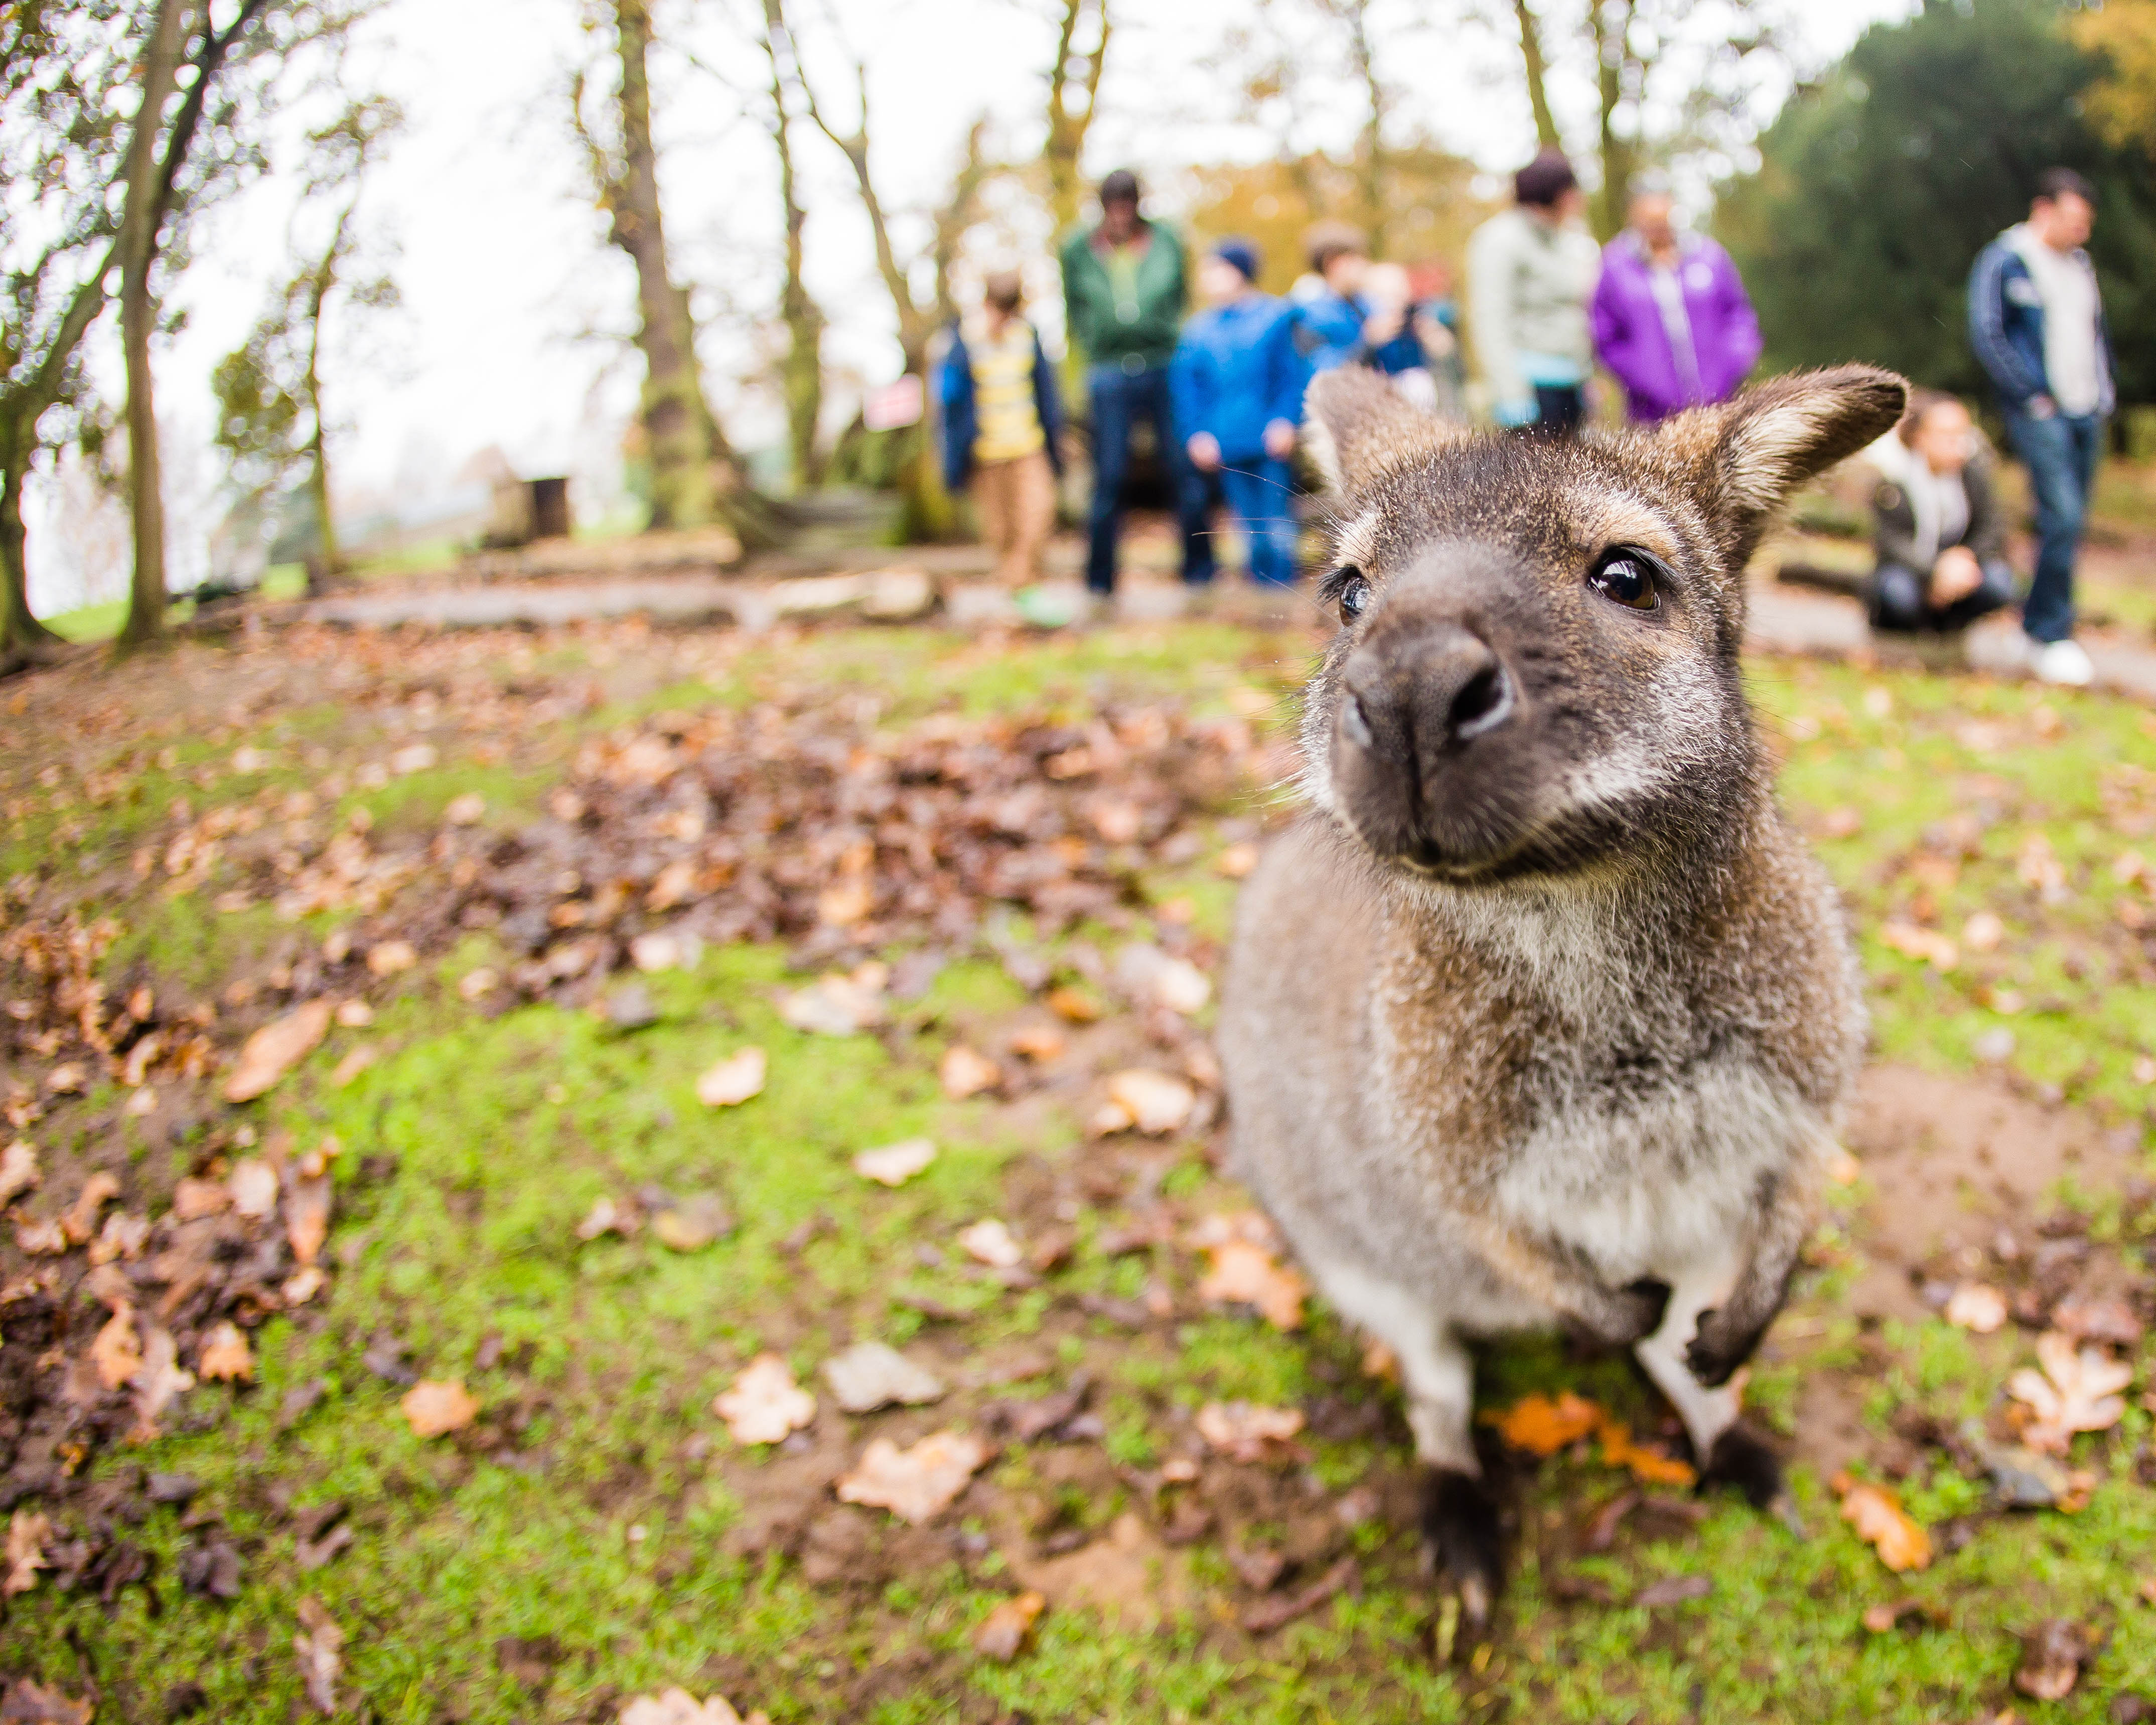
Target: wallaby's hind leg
x: 1727, y: 1452
x: 1459, y: 1516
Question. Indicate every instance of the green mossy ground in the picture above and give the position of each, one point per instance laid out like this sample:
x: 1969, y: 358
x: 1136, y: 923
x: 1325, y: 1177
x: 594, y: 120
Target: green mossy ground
x: 595, y: 1504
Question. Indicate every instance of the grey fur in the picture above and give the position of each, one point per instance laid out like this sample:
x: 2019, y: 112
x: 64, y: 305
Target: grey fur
x: 1515, y: 1019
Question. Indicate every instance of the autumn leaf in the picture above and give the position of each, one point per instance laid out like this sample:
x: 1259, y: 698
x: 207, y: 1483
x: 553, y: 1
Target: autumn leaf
x: 917, y: 1484
x: 307, y: 1200
x: 20, y: 1172
x: 1911, y: 941
x: 2051, y: 1661
x: 764, y: 1404
x: 117, y: 1351
x: 158, y: 1380
x: 276, y: 1048
x: 225, y: 1356
x: 989, y: 1242
x: 27, y: 1534
x: 1977, y: 1307
x: 391, y: 957
x: 1153, y: 1102
x: 1650, y: 1465
x: 869, y: 1375
x: 1883, y: 1524
x: 1245, y: 1431
x: 253, y: 1183
x: 733, y: 1080
x: 1236, y: 861
x: 1074, y: 1006
x: 434, y: 1407
x: 965, y: 1072
x: 1246, y: 1275
x: 1541, y: 1427
x: 677, y: 1706
x: 1002, y: 1633
x: 895, y: 1164
x: 80, y: 1222
x: 28, y: 1703
x: 838, y: 1005
x: 2076, y: 1392
x: 320, y: 1646
x: 1039, y: 1043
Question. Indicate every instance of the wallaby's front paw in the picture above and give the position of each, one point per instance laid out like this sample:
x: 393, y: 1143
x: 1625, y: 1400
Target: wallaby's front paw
x: 1719, y: 1347
x: 1460, y: 1531
x: 1636, y: 1309
x: 1741, y: 1458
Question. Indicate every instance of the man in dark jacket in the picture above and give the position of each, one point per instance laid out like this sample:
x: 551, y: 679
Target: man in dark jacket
x: 2036, y: 322
x: 1002, y: 420
x: 1936, y: 525
x: 1124, y: 291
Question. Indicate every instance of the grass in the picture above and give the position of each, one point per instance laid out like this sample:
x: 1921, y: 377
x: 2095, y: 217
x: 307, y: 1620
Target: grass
x: 600, y: 1503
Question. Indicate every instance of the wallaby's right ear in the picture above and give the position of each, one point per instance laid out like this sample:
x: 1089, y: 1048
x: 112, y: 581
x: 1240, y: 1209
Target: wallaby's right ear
x: 1358, y: 428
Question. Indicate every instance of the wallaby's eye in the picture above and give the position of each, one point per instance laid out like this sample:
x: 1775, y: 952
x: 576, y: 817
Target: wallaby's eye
x: 1625, y: 576
x: 1354, y: 593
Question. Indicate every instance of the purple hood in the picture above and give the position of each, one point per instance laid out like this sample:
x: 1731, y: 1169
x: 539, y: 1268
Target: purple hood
x: 1632, y: 336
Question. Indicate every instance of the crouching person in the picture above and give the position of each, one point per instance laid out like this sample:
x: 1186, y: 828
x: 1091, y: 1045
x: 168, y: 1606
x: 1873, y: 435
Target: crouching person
x: 1003, y: 421
x: 1236, y: 384
x: 1937, y: 528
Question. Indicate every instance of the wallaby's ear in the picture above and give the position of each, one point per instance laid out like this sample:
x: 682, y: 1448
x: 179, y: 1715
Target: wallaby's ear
x: 1357, y: 428
x: 1750, y: 453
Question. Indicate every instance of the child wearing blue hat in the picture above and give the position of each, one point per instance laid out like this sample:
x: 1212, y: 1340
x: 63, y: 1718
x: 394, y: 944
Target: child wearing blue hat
x: 1236, y: 383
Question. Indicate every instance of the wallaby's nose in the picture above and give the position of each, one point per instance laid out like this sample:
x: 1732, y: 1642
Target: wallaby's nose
x: 1410, y: 698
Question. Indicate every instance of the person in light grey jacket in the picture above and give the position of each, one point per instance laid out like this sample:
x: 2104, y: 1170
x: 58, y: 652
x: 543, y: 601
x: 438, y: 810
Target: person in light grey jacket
x: 1531, y: 270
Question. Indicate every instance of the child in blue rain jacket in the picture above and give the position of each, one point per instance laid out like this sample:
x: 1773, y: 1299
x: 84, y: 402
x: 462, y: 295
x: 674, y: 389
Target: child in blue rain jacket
x: 1236, y: 385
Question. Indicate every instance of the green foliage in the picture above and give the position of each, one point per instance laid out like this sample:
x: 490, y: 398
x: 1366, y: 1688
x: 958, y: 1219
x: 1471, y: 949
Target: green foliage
x: 1877, y: 191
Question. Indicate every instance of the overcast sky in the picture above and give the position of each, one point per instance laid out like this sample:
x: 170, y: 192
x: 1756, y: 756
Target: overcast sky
x: 513, y: 302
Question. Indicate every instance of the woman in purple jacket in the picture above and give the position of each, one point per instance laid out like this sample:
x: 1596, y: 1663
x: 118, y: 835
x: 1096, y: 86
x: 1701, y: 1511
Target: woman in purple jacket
x: 1669, y: 316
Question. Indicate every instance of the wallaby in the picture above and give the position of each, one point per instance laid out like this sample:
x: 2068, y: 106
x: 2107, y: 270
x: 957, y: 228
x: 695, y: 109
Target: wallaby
x: 1542, y: 1014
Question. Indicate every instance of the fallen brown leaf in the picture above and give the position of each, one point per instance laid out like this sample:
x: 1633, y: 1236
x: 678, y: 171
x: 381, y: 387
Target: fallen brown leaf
x: 390, y: 957
x: 307, y: 1201
x: 838, y: 1005
x: 2077, y: 1391
x: 1883, y: 1524
x: 28, y: 1530
x: 320, y: 1646
x: 116, y: 1352
x: 965, y: 1072
x: 1074, y: 1005
x: 1002, y: 1633
x: 869, y: 1375
x: 225, y: 1356
x: 434, y: 1407
x: 693, y: 1223
x: 1154, y: 1102
x: 80, y: 1222
x: 1651, y: 1466
x: 764, y: 1404
x: 1541, y: 1426
x: 253, y: 1184
x: 1244, y: 1274
x: 1236, y: 861
x: 276, y: 1048
x: 1269, y: 1614
x: 1244, y: 1431
x: 2052, y: 1660
x: 1037, y: 1042
x: 28, y: 1703
x: 1673, y: 1590
x: 1913, y: 942
x: 1976, y: 1306
x: 677, y: 1706
x: 917, y: 1484
x: 989, y: 1242
x: 733, y: 1080
x: 607, y: 1217
x: 20, y: 1172
x: 895, y: 1164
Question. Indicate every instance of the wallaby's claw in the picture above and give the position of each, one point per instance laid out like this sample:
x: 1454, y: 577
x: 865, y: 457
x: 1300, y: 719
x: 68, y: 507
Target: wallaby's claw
x: 1713, y: 1354
x: 1741, y: 1458
x: 1461, y: 1541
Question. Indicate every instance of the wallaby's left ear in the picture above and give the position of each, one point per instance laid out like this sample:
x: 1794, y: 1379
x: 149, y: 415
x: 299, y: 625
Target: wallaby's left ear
x: 1750, y: 452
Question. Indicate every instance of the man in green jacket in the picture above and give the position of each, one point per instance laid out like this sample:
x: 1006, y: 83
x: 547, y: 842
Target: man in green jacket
x: 1124, y: 293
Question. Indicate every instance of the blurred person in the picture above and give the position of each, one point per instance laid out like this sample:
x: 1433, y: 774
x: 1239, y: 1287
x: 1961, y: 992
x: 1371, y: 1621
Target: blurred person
x: 1940, y: 538
x: 1238, y: 382
x: 1001, y: 419
x: 1124, y: 293
x: 2035, y: 320
x: 1669, y: 316
x: 1358, y: 312
x: 1530, y: 270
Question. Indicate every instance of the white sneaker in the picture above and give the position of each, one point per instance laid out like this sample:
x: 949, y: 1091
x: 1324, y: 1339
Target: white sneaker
x: 2063, y: 663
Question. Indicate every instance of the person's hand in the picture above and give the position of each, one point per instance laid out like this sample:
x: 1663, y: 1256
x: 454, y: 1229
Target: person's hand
x: 1204, y: 450
x: 1955, y: 576
x: 1280, y: 439
x: 1437, y: 340
x: 2041, y: 406
x: 1382, y: 325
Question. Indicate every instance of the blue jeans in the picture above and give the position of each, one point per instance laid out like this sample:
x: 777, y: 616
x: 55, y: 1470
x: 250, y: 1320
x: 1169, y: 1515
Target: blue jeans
x: 1260, y: 496
x: 1121, y: 399
x: 2060, y: 454
x: 1901, y: 598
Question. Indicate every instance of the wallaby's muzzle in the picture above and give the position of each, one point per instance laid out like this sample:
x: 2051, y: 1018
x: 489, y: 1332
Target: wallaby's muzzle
x: 1431, y: 758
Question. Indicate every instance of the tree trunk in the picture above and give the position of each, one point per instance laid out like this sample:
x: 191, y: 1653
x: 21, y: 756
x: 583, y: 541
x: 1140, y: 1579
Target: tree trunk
x: 1373, y: 124
x: 1612, y: 50
x: 1531, y: 51
x: 677, y: 423
x: 802, y: 373
x: 318, y: 454
x: 1067, y: 125
x: 144, y: 216
x: 23, y: 640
